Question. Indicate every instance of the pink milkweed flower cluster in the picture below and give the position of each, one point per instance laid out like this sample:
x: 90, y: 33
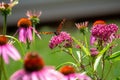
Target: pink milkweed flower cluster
x: 8, y: 50
x: 25, y: 30
x: 70, y: 74
x: 104, y: 32
x: 58, y: 39
x: 35, y: 69
x: 94, y: 52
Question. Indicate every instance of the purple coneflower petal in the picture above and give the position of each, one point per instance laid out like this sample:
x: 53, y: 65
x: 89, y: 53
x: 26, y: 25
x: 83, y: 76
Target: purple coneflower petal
x: 26, y: 77
x: 22, y: 35
x: 36, y: 32
x: 29, y: 33
x: 4, y: 54
x: 18, y: 75
x: 12, y: 52
x: 34, y: 76
x: 0, y: 50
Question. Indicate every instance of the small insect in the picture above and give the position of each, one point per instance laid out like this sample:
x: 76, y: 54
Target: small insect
x: 58, y: 30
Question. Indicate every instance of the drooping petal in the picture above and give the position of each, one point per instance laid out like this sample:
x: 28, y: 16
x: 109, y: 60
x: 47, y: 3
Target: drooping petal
x: 36, y: 32
x: 12, y: 52
x: 0, y: 50
x: 4, y: 54
x: 26, y: 77
x: 51, y: 74
x: 29, y: 34
x: 34, y: 76
x: 18, y: 75
x: 22, y: 35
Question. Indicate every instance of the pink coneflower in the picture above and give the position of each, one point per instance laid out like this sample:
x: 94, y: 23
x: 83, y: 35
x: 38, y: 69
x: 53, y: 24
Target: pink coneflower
x: 25, y: 30
x: 35, y: 69
x: 103, y: 32
x: 34, y: 16
x: 82, y: 25
x: 70, y: 74
x: 7, y: 50
x: 58, y: 39
x: 6, y: 7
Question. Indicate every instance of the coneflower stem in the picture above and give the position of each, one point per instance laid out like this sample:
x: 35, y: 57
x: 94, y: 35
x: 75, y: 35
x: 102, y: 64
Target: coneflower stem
x: 0, y: 68
x: 34, y: 39
x: 5, y: 25
x: 3, y: 70
x: 34, y: 32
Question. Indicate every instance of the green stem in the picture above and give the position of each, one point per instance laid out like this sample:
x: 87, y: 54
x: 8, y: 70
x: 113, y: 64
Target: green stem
x: 34, y: 39
x: 65, y: 64
x: 5, y: 25
x: 0, y: 68
x: 34, y: 32
x: 85, y: 38
x: 3, y: 69
x: 103, y: 66
x: 4, y: 72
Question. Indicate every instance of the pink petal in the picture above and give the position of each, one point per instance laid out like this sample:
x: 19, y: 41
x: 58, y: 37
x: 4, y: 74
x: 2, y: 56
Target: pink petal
x: 4, y: 54
x: 51, y: 74
x: 92, y: 40
x: 18, y: 75
x: 12, y: 52
x: 36, y: 32
x: 0, y: 50
x: 22, y: 35
x: 29, y: 34
x: 26, y: 77
x: 34, y: 76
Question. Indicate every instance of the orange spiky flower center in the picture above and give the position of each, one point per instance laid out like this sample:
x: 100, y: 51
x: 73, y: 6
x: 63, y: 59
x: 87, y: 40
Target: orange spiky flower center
x: 24, y: 22
x: 67, y: 70
x: 33, y: 62
x: 99, y: 22
x: 3, y: 40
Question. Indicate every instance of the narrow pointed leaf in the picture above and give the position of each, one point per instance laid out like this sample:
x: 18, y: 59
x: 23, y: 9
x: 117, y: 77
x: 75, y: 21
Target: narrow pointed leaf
x: 97, y: 62
x: 100, y: 56
x: 114, y: 55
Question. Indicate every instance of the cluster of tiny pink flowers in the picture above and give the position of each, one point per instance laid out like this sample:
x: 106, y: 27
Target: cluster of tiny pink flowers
x: 58, y: 39
x: 104, y: 32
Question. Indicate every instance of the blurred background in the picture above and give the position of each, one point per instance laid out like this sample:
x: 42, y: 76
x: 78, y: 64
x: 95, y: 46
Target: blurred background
x: 73, y: 10
x: 53, y: 11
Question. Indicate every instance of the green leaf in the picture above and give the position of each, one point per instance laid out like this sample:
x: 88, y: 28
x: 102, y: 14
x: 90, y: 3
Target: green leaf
x: 97, y: 62
x: 79, y: 56
x: 100, y: 56
x: 56, y: 51
x: 114, y: 55
x: 104, y: 50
